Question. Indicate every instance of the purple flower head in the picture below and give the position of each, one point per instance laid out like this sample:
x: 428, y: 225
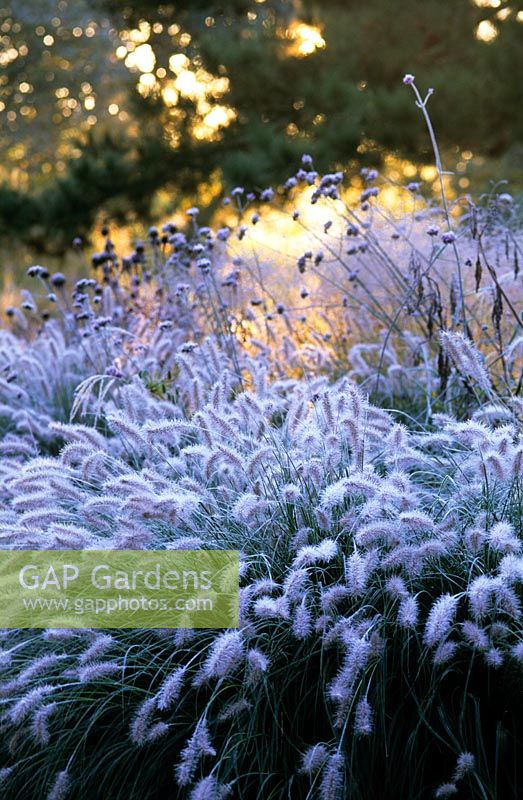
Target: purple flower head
x: 368, y: 174
x: 192, y: 212
x: 114, y: 372
x: 408, y: 79
x: 267, y: 195
x: 58, y: 279
x: 367, y: 193
x: 177, y: 240
x: 449, y: 237
x: 223, y: 234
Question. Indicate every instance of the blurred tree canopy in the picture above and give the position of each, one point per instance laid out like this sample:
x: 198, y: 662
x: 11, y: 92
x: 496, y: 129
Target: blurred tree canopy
x: 105, y: 103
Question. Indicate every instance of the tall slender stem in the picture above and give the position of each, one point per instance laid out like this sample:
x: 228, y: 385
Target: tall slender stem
x: 422, y: 104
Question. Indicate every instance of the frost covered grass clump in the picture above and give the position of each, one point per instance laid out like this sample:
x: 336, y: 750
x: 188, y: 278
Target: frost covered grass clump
x: 197, y: 395
x: 380, y: 597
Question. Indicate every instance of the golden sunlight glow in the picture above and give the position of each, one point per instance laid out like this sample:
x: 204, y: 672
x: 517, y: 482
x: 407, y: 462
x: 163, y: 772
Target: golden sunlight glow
x: 170, y: 95
x: 138, y: 35
x: 8, y: 55
x: 304, y: 39
x: 178, y: 62
x: 486, y: 31
x: 488, y: 3
x: 147, y: 79
x: 188, y: 85
x: 189, y: 81
x: 202, y: 88
x: 147, y: 85
x: 218, y: 117
x: 428, y: 173
x: 142, y: 58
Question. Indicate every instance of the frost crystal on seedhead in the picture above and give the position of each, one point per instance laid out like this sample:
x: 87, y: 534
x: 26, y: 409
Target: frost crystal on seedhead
x: 226, y: 655
x: 396, y: 586
x: 156, y: 731
x: 503, y: 539
x: 465, y: 764
x: 294, y: 584
x: 41, y: 666
x: 363, y: 718
x: 210, y: 789
x: 39, y: 724
x: 142, y: 721
x: 234, y: 709
x: 358, y: 570
x: 99, y: 646
x: 511, y: 569
x: 257, y: 665
x: 480, y: 594
x: 494, y: 657
x: 316, y: 554
x: 474, y: 635
x: 271, y: 607
x: 95, y: 670
x: 20, y: 710
x: 445, y: 790
x: 335, y: 494
x: 170, y: 689
x: 466, y: 358
x: 314, y: 758
x: 440, y: 619
x: 61, y: 786
x: 302, y: 623
x: 517, y: 652
x: 445, y: 652
x: 333, y: 778
x: 199, y: 745
x: 290, y: 493
x: 5, y: 774
x: 5, y: 658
